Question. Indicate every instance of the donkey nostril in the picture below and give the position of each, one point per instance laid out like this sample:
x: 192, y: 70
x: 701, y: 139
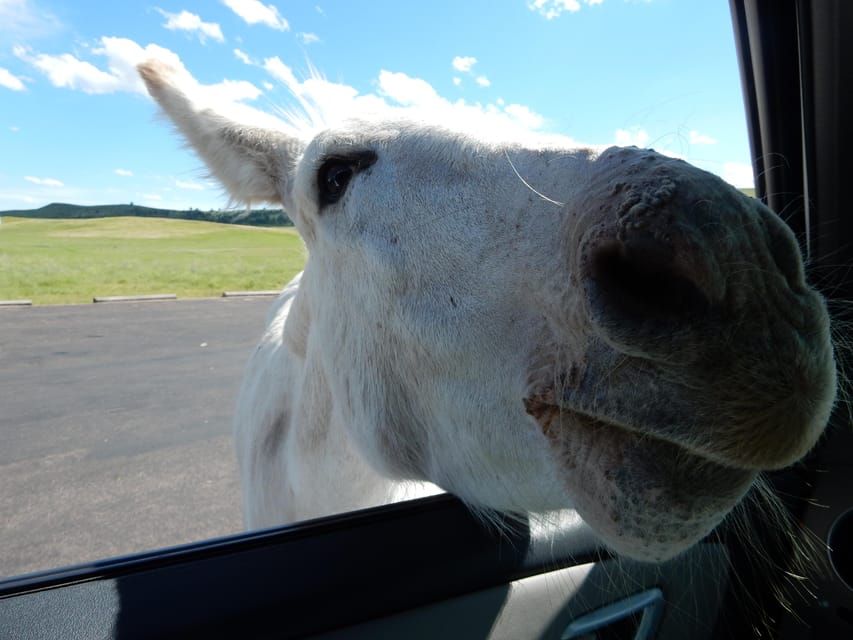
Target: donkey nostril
x: 639, y: 281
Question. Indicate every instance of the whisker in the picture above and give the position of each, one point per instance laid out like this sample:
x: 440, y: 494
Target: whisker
x: 528, y: 185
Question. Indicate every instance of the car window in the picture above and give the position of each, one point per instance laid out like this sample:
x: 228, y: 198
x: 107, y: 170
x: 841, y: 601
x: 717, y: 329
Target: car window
x: 116, y: 415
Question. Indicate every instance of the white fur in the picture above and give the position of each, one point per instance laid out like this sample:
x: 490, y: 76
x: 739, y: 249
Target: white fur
x: 444, y: 332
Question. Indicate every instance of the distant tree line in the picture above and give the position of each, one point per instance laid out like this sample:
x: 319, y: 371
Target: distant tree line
x: 255, y: 217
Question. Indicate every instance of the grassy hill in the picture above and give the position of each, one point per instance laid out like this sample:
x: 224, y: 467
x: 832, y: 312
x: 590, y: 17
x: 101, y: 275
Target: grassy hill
x: 253, y: 217
x: 60, y: 210
x: 69, y: 261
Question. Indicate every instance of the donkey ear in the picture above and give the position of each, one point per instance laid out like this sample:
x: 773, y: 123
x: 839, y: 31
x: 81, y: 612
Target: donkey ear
x: 252, y: 162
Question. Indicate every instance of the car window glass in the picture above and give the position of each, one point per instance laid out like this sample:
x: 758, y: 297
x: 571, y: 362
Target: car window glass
x: 116, y: 417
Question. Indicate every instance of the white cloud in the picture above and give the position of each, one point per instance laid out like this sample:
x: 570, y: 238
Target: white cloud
x: 407, y: 91
x: 697, y: 138
x: 18, y: 197
x: 121, y: 56
x: 280, y: 71
x: 255, y: 12
x: 190, y: 22
x: 25, y: 19
x: 231, y: 91
x: 464, y: 63
x: 10, y: 81
x: 189, y: 185
x: 268, y: 85
x: 318, y: 103
x: 554, y: 8
x: 65, y: 70
x: 14, y: 129
x: 44, y: 182
x: 309, y: 38
x: 524, y: 116
x: 635, y: 136
x: 151, y: 196
x: 243, y: 56
x: 123, y: 172
x: 738, y: 174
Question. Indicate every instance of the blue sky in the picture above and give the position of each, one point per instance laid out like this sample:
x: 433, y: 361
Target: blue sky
x: 76, y: 126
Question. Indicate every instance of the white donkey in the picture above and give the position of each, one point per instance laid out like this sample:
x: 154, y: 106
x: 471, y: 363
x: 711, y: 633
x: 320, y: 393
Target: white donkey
x: 638, y: 346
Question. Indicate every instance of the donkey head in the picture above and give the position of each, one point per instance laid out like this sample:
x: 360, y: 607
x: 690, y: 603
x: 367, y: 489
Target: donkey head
x: 638, y: 345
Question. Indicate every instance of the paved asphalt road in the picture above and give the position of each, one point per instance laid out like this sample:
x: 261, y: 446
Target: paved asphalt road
x: 115, y: 427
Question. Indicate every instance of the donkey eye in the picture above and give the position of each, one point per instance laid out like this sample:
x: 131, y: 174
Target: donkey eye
x: 333, y: 179
x: 336, y: 172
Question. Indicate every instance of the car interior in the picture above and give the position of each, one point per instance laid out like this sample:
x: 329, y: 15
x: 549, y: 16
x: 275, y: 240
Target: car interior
x: 430, y: 569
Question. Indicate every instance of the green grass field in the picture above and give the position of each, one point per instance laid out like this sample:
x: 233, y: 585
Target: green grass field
x: 68, y: 261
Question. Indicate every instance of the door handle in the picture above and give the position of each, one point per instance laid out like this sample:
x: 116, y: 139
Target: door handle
x: 621, y: 616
